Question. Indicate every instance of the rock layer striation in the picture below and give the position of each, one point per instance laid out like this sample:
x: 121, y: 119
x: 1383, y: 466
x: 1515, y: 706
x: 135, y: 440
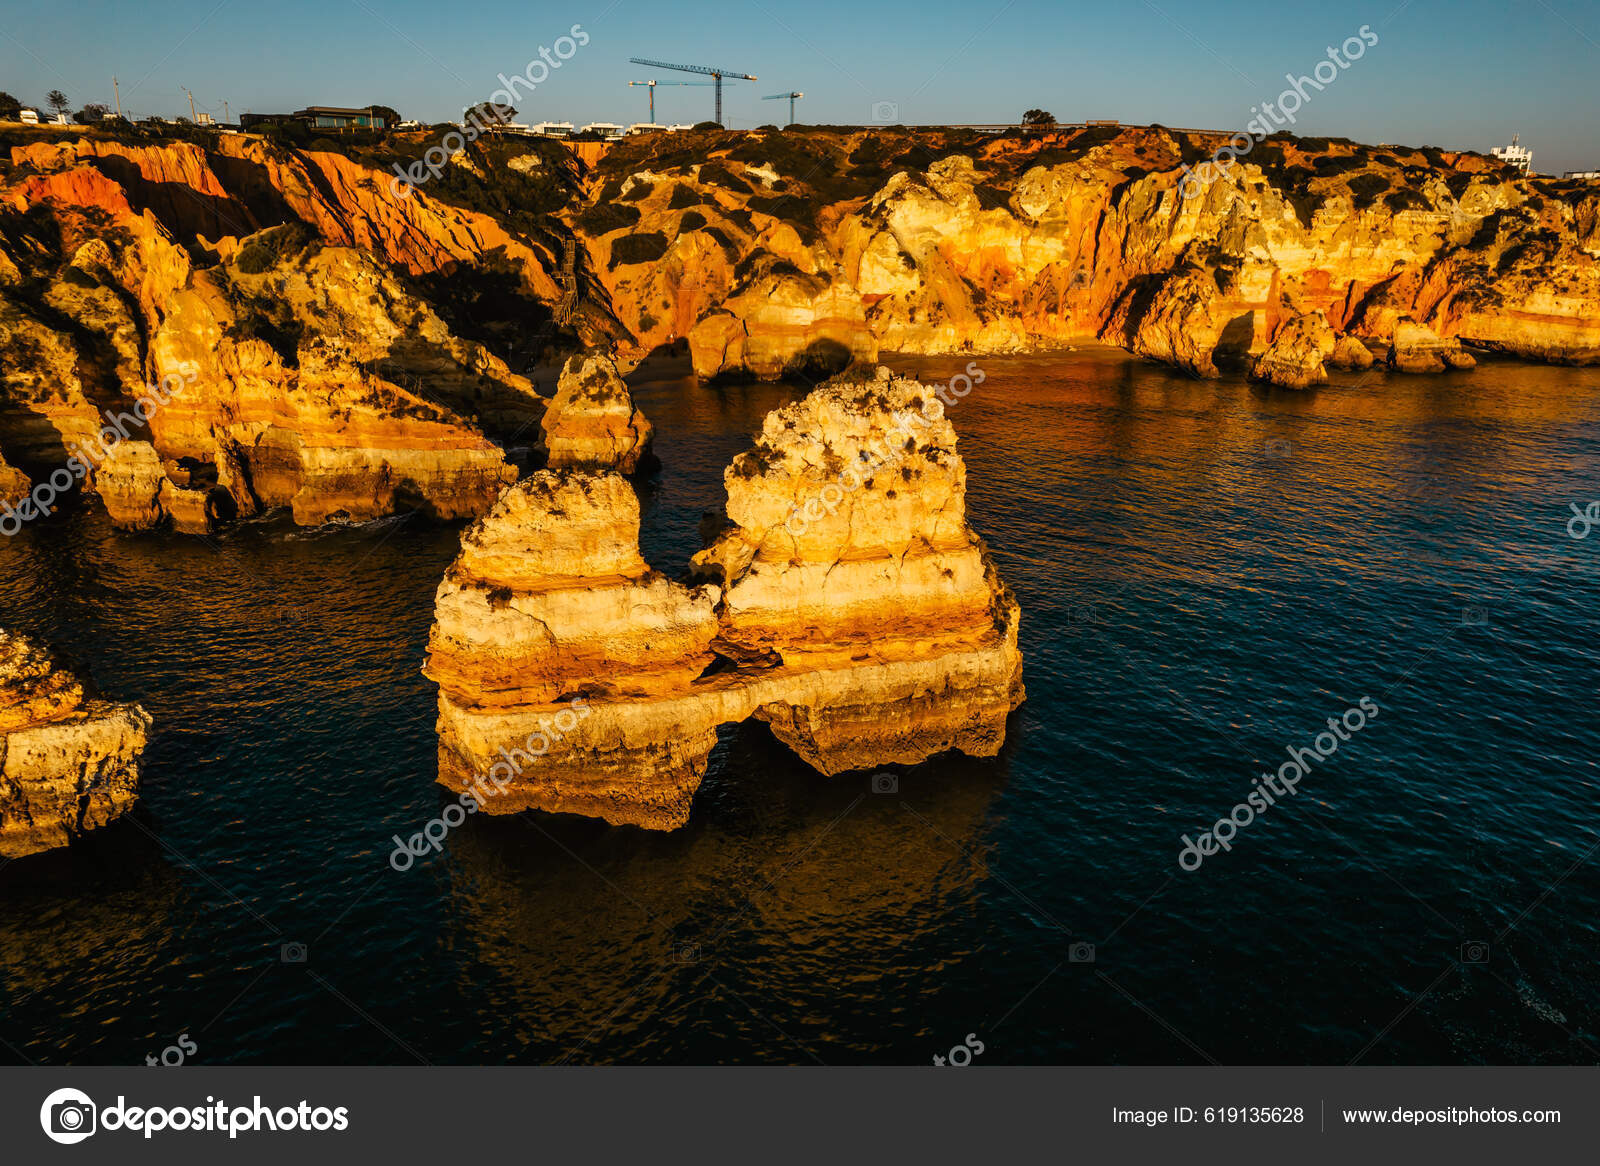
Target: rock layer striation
x: 68, y: 763
x: 575, y: 678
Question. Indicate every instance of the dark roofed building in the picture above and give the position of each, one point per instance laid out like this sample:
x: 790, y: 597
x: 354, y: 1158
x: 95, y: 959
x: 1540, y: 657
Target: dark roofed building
x: 332, y: 117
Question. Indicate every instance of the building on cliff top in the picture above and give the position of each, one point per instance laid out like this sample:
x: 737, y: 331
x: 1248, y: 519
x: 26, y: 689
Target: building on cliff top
x: 1514, y: 155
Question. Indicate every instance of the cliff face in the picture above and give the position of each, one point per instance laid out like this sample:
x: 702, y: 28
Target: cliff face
x: 870, y: 629
x: 187, y: 386
x: 68, y: 763
x: 763, y: 247
x: 350, y: 334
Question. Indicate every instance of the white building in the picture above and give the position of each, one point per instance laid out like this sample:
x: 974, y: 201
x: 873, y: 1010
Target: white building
x: 677, y: 128
x: 606, y: 129
x: 646, y: 127
x: 1514, y: 155
x: 1589, y: 174
x: 29, y: 117
x: 553, y: 129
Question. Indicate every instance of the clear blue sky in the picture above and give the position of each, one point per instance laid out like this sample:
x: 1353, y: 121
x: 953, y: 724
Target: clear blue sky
x: 1452, y: 73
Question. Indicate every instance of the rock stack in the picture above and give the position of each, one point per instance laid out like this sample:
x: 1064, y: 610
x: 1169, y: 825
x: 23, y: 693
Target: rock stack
x: 845, y: 601
x: 592, y: 424
x: 68, y: 763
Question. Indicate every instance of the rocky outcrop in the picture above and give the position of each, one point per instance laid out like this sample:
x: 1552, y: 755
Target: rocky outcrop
x: 1417, y: 348
x: 783, y: 323
x: 68, y: 763
x: 13, y: 482
x: 955, y: 241
x: 592, y: 423
x: 779, y: 253
x: 1178, y: 322
x: 845, y: 602
x: 1298, y: 355
x: 278, y: 371
x: 1350, y: 353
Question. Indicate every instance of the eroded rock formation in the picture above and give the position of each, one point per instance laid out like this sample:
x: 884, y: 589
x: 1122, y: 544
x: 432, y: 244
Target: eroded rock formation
x: 1299, y: 354
x: 874, y: 629
x: 763, y: 245
x: 197, y: 381
x: 592, y: 423
x: 13, y: 482
x: 68, y: 763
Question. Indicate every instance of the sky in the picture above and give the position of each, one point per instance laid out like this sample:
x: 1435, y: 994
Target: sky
x: 1459, y: 74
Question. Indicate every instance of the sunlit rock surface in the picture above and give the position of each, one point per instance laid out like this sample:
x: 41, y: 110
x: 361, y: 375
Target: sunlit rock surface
x: 592, y: 423
x: 866, y: 629
x: 1299, y: 354
x: 68, y: 763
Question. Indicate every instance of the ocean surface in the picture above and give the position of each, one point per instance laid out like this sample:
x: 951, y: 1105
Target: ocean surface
x: 1208, y: 571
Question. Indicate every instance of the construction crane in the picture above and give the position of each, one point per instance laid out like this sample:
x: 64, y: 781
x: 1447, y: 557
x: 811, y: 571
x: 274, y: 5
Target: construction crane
x: 651, y: 85
x: 716, y: 76
x: 780, y: 97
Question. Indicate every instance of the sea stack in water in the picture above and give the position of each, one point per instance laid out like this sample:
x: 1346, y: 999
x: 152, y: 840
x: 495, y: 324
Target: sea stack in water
x: 68, y: 763
x: 592, y: 424
x: 845, y: 601
x: 1298, y: 355
x: 14, y: 484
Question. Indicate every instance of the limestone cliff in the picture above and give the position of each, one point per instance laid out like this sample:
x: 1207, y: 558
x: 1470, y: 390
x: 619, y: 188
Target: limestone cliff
x: 191, y: 386
x: 768, y: 253
x: 68, y: 763
x: 872, y: 629
x: 761, y: 247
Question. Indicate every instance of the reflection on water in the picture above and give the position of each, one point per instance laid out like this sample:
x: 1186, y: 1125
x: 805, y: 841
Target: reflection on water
x: 1207, y: 571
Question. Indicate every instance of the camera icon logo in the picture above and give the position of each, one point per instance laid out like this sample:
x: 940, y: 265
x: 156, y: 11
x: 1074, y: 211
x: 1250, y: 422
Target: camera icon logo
x: 885, y: 111
x: 1475, y: 952
x: 292, y: 953
x: 885, y: 783
x: 1080, y: 953
x: 1276, y: 447
x: 685, y: 953
x: 67, y: 1116
x: 1474, y: 617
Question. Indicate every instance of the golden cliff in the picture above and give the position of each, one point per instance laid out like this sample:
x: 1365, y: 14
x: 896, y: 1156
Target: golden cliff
x: 777, y: 250
x: 845, y: 602
x: 353, y: 339
x: 186, y: 381
x: 68, y: 763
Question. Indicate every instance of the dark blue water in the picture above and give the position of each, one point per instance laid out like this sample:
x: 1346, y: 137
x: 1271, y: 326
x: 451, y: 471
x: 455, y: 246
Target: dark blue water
x: 1207, y: 571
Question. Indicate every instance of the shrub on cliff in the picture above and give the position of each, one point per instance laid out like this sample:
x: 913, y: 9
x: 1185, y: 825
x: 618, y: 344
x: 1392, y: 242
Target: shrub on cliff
x: 604, y: 217
x: 714, y: 174
x: 643, y: 248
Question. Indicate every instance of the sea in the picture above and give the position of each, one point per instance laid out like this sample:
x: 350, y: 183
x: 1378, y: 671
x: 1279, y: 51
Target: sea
x: 1214, y: 578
